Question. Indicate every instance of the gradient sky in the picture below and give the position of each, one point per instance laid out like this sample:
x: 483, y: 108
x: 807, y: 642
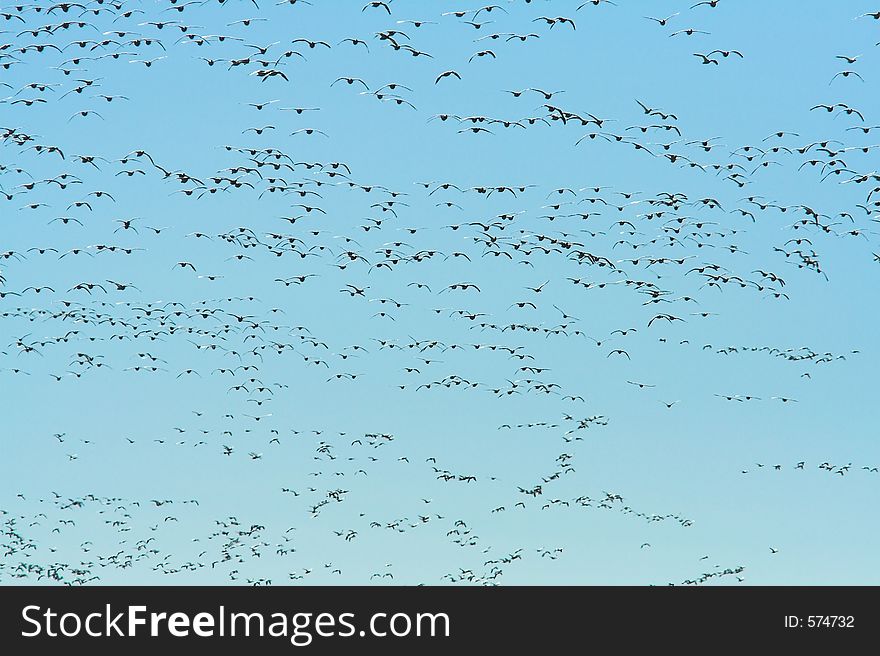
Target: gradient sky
x: 687, y: 460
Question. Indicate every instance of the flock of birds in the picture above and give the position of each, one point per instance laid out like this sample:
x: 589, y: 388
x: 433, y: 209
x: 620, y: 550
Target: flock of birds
x: 102, y: 299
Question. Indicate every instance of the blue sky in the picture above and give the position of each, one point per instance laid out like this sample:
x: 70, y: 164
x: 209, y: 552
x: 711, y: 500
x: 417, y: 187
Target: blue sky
x: 685, y: 461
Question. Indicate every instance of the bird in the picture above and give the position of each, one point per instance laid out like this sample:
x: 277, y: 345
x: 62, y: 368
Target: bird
x: 706, y: 59
x: 446, y: 74
x: 846, y: 74
x: 662, y: 21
